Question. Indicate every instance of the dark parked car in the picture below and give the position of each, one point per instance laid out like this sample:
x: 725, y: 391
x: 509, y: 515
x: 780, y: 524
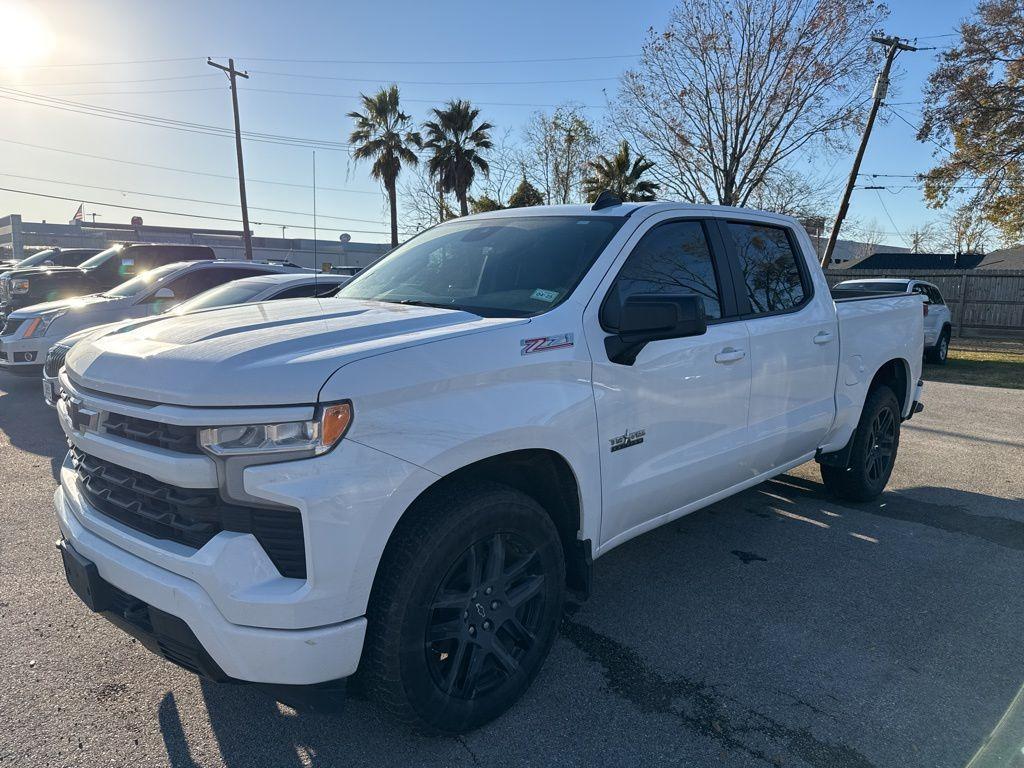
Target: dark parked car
x: 51, y: 257
x: 24, y: 287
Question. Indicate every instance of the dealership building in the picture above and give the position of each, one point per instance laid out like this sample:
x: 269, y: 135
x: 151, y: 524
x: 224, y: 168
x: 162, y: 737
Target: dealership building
x: 20, y: 238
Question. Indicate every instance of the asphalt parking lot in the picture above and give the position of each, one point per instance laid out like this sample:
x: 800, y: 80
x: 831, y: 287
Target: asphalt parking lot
x: 775, y: 628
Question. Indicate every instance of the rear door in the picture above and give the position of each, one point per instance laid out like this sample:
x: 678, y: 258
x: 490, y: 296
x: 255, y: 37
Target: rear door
x: 794, y: 343
x: 672, y: 424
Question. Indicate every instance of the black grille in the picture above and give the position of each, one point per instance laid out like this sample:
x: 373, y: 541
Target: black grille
x: 11, y: 327
x: 168, y: 436
x: 188, y: 516
x: 54, y: 360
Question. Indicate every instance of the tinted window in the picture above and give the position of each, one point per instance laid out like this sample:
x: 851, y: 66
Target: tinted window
x: 502, y: 267
x: 199, y: 280
x: 671, y: 258
x: 934, y: 296
x: 769, y: 267
x: 298, y: 292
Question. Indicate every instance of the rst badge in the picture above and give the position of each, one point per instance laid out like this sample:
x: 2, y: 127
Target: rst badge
x: 627, y: 439
x: 546, y: 343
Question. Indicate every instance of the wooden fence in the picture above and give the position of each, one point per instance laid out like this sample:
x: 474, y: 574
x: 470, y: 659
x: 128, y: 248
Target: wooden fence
x: 984, y: 302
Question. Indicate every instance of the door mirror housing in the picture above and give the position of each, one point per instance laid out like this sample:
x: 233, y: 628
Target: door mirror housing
x: 646, y: 317
x: 163, y: 293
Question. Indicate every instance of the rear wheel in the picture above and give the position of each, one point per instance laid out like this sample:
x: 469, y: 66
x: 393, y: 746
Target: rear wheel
x: 465, y: 608
x: 873, y: 454
x: 940, y: 351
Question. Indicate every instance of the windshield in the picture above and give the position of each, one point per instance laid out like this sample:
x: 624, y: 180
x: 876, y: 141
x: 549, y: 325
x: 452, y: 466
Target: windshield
x: 37, y: 260
x: 100, y: 258
x: 143, y: 281
x: 889, y: 286
x: 237, y: 292
x: 514, y: 267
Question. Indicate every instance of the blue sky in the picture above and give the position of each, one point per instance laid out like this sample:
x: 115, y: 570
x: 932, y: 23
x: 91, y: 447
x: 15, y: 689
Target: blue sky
x: 252, y: 32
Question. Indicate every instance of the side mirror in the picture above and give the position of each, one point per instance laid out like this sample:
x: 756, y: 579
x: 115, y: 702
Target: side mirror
x: 647, y: 317
x: 163, y: 293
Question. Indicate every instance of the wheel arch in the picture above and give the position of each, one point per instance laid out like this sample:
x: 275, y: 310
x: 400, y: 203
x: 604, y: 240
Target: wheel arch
x: 896, y: 375
x: 542, y: 474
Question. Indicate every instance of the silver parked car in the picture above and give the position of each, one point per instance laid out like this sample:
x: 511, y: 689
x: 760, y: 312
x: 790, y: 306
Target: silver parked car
x: 246, y: 290
x: 938, y: 320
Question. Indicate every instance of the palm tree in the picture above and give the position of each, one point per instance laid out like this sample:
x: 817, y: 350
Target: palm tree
x: 455, y: 138
x: 622, y: 175
x: 382, y: 133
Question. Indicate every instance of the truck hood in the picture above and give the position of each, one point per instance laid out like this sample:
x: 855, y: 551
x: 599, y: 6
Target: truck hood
x: 272, y: 353
x: 37, y: 272
x: 77, y: 304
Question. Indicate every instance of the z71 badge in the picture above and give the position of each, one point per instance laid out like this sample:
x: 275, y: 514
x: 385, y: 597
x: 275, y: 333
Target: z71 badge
x: 546, y: 343
x: 627, y: 440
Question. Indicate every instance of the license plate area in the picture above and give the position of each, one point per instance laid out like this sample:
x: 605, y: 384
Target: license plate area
x: 84, y: 578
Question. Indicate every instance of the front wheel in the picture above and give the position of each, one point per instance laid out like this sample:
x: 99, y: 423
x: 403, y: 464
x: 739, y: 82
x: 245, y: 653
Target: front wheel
x: 465, y: 608
x: 873, y: 455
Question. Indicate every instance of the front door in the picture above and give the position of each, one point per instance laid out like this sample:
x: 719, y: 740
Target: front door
x: 672, y: 425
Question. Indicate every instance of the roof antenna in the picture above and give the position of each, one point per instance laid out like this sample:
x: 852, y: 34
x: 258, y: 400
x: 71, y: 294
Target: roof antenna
x: 606, y: 199
x: 316, y: 268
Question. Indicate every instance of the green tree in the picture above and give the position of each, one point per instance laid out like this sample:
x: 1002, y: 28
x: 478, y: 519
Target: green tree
x: 484, y: 203
x: 383, y: 133
x: 455, y: 139
x: 525, y: 196
x: 621, y: 174
x: 975, y: 98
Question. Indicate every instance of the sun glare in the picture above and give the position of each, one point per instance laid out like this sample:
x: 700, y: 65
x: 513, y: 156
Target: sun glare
x: 27, y: 38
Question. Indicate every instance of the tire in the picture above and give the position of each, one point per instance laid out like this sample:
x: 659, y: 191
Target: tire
x: 490, y: 628
x: 940, y: 351
x: 875, y: 445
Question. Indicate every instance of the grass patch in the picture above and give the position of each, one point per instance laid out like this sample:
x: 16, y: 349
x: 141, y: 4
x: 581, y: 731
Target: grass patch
x: 980, y: 367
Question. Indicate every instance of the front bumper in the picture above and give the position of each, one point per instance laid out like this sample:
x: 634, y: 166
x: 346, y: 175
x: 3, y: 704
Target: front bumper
x: 164, y: 608
x: 23, y: 354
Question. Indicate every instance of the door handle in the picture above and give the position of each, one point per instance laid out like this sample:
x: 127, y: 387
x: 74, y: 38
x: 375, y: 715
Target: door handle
x: 730, y: 355
x: 823, y: 337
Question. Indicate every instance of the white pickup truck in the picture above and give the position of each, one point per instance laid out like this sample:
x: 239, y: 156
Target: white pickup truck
x: 407, y: 482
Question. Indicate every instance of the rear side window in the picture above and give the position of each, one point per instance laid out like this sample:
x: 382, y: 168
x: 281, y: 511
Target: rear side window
x: 771, y: 273
x: 672, y: 258
x: 303, y: 291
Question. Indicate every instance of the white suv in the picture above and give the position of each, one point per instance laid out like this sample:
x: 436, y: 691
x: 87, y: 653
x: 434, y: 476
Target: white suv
x: 938, y: 320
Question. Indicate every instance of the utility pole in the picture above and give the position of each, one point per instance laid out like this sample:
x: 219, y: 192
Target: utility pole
x: 878, y: 96
x: 233, y: 73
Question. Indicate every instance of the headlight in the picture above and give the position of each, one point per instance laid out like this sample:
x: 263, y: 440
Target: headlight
x: 19, y: 286
x: 38, y: 325
x: 316, y: 436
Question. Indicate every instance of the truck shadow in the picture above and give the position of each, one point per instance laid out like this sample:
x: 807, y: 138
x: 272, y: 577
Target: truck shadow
x: 27, y: 421
x: 762, y: 630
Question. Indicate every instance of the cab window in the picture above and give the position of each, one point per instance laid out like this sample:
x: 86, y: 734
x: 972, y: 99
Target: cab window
x: 673, y: 257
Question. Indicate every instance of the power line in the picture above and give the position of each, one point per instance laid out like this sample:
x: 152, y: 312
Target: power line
x: 182, y: 170
x: 430, y: 82
x: 180, y: 213
x: 122, y: 82
x: 26, y: 97
x: 177, y: 198
x: 889, y: 216
x: 444, y: 61
x: 406, y: 98
x: 110, y: 63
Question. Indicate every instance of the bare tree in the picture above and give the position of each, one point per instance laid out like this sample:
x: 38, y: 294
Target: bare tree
x: 732, y: 89
x: 967, y: 230
x: 424, y: 203
x: 924, y: 238
x: 558, y: 148
x: 868, y: 235
x: 507, y: 163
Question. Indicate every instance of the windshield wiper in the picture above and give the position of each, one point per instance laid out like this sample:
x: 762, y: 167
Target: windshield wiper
x: 418, y: 303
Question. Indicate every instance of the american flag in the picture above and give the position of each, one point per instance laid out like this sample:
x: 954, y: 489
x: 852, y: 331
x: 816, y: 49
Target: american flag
x: 80, y: 213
